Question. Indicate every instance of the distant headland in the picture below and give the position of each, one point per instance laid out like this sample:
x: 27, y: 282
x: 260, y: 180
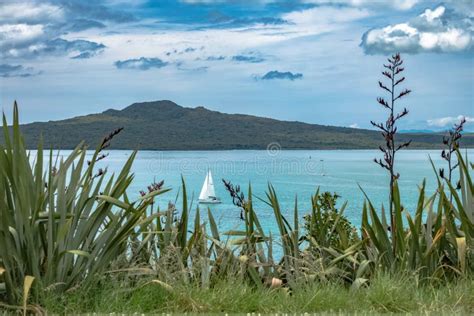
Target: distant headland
x: 165, y: 125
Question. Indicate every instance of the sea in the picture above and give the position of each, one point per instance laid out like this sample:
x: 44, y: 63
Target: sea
x: 295, y: 174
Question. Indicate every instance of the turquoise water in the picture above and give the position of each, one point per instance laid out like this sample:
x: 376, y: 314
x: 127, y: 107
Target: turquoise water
x: 292, y: 173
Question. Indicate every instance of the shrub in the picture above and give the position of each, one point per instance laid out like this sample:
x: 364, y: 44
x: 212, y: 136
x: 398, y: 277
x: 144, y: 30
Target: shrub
x: 327, y: 225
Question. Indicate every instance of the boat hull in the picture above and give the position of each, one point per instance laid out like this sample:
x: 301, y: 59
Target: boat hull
x: 209, y: 202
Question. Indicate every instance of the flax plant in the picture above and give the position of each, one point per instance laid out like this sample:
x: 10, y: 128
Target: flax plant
x: 451, y: 143
x: 437, y: 244
x: 389, y: 131
x: 61, y: 221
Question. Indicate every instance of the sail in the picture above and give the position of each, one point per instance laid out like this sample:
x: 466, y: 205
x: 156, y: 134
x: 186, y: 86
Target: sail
x: 211, y: 192
x: 203, y: 195
x: 207, y: 190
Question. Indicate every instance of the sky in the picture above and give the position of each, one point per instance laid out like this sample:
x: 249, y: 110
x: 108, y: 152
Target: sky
x: 316, y: 61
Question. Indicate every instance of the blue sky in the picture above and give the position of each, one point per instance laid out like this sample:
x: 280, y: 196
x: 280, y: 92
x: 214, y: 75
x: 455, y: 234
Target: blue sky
x: 316, y: 61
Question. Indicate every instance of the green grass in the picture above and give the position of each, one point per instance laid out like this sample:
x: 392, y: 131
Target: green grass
x: 385, y: 294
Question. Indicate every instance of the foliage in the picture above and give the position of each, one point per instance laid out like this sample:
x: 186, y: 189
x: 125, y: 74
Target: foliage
x: 327, y: 225
x: 60, y: 221
x: 438, y: 242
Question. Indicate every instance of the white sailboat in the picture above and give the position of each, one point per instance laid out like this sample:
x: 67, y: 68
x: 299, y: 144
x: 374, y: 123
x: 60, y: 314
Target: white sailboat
x: 208, y: 192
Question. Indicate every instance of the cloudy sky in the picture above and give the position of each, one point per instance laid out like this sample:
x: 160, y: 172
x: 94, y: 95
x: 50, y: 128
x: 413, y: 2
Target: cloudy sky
x: 316, y: 61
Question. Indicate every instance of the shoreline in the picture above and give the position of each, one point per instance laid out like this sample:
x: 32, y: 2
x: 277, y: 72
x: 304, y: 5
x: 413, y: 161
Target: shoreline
x: 254, y: 149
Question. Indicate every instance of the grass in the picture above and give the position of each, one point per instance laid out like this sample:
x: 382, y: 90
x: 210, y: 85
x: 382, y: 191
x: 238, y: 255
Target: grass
x: 385, y: 294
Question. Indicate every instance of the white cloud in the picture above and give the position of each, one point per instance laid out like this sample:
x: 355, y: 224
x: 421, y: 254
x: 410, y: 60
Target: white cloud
x: 29, y: 12
x: 18, y: 38
x: 17, y: 34
x: 325, y: 16
x: 319, y: 20
x: 355, y: 125
x: 224, y: 41
x: 30, y: 28
x: 450, y: 41
x: 448, y: 121
x: 396, y: 4
x: 431, y: 15
x: 438, y: 30
x: 26, y: 41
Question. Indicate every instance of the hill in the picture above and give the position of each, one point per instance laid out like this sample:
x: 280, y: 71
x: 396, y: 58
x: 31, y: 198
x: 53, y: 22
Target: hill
x: 164, y: 125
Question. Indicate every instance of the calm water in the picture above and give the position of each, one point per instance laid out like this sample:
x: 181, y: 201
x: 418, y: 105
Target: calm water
x: 293, y: 173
